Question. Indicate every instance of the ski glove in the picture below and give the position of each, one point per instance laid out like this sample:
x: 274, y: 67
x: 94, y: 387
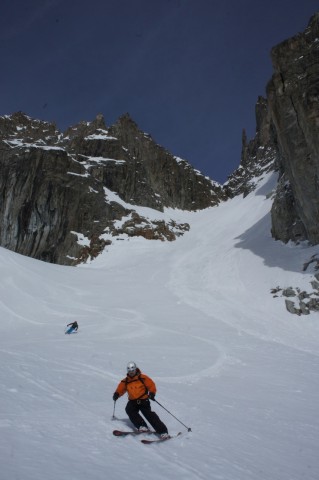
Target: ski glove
x: 151, y: 395
x: 115, y: 396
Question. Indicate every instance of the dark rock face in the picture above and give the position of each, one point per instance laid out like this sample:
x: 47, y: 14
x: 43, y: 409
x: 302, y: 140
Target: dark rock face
x: 57, y: 188
x: 293, y: 98
x: 287, y: 139
x: 44, y: 197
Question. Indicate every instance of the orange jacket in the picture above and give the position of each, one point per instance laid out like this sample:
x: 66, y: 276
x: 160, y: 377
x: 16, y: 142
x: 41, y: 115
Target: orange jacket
x: 137, y: 387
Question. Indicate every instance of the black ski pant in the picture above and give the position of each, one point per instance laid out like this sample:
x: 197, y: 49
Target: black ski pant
x: 133, y: 408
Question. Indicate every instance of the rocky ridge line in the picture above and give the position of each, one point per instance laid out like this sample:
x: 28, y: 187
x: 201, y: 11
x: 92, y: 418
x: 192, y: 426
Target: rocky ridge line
x: 64, y: 194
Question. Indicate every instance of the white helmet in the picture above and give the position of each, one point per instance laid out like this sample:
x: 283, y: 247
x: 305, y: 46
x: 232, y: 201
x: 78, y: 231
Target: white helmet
x: 131, y: 367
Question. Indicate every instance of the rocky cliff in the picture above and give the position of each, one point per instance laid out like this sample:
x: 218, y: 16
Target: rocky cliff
x: 287, y: 139
x: 293, y: 97
x: 62, y: 192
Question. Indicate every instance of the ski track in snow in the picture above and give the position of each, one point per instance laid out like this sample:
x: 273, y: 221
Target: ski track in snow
x: 197, y: 316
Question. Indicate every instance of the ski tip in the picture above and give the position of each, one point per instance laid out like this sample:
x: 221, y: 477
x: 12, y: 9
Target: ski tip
x: 159, y: 440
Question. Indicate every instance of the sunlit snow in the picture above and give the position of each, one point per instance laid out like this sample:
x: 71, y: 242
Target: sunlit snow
x: 197, y: 316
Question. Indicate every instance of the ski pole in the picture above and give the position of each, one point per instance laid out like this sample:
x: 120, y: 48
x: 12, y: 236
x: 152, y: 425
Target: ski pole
x: 113, y: 416
x: 188, y: 428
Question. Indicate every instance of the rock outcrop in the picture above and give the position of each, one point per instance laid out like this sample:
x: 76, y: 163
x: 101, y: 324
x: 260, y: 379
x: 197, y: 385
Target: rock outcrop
x: 63, y: 196
x: 258, y: 156
x: 302, y: 302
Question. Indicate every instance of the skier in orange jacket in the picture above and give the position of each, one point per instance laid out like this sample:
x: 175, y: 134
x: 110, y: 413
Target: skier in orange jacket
x: 140, y: 388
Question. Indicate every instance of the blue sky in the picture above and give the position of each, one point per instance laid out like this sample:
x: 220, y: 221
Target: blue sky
x: 187, y: 71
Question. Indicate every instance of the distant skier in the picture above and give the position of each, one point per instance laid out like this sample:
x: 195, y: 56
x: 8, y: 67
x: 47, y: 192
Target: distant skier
x: 140, y: 388
x: 73, y: 327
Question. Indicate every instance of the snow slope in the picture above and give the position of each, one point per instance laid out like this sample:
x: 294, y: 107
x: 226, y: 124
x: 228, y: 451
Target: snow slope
x: 197, y: 316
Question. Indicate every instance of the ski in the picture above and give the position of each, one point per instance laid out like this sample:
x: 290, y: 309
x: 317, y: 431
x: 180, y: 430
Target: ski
x: 158, y: 440
x: 121, y: 433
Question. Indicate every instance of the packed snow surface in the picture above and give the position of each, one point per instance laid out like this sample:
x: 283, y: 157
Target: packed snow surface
x: 197, y: 316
